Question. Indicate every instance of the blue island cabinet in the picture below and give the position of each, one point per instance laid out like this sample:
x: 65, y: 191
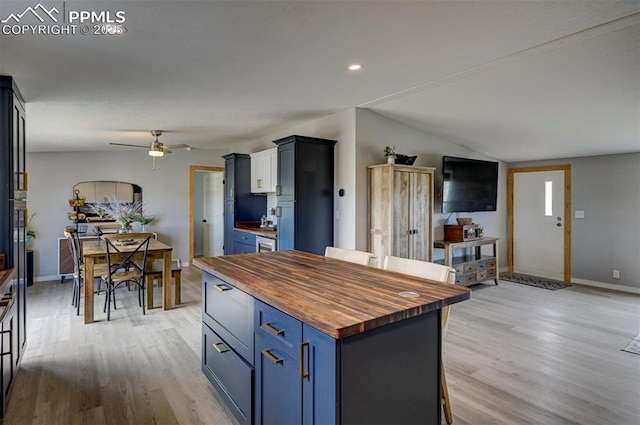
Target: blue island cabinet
x: 271, y: 368
x: 295, y: 371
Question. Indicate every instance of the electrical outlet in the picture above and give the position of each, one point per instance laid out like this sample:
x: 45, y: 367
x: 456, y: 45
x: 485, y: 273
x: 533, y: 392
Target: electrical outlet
x: 616, y: 274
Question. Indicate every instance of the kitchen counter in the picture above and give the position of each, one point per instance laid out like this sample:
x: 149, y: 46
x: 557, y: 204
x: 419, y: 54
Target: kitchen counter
x: 332, y: 341
x: 338, y: 298
x: 256, y: 230
x: 5, y: 278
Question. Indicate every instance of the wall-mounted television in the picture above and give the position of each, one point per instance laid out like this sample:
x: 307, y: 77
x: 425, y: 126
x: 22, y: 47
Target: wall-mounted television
x: 469, y: 185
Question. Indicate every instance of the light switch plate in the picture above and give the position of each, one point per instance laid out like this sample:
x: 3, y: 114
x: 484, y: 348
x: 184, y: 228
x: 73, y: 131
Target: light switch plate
x: 579, y: 214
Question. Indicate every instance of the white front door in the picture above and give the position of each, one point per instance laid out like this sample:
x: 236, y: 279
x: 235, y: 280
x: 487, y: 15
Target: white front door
x: 539, y: 224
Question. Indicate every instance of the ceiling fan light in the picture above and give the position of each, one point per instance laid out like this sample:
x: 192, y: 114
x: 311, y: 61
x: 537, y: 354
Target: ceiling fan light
x: 156, y: 152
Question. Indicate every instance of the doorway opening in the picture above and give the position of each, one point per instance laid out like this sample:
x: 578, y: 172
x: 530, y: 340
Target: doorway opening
x: 206, y: 209
x: 539, y: 221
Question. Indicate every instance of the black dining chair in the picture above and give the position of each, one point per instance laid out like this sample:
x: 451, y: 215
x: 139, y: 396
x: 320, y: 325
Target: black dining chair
x: 127, y: 262
x: 75, y: 247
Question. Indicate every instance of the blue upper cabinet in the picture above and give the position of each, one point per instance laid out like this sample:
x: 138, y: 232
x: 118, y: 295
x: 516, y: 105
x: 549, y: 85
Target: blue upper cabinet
x: 305, y: 193
x: 240, y: 203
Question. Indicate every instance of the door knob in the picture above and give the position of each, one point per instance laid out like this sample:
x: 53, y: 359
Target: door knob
x: 559, y: 224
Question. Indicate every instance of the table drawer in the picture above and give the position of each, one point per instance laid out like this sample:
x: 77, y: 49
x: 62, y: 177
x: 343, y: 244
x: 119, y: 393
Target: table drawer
x: 229, y: 312
x: 491, y: 264
x: 470, y: 278
x: 232, y: 377
x: 481, y: 276
x: 459, y: 268
x: 244, y: 237
x: 470, y: 267
x: 280, y: 330
x: 491, y: 274
x: 459, y: 279
x: 481, y: 266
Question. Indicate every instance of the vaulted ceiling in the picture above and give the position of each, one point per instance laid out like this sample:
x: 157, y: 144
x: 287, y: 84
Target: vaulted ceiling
x: 516, y: 80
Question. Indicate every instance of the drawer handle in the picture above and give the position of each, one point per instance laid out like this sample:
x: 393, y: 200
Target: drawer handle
x: 218, y: 349
x: 267, y: 353
x: 267, y: 327
x: 222, y: 287
x: 303, y: 374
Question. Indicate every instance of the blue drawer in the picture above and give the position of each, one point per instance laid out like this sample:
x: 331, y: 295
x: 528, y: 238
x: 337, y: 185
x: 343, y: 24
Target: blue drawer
x: 244, y: 237
x: 229, y: 312
x: 229, y: 374
x: 278, y: 329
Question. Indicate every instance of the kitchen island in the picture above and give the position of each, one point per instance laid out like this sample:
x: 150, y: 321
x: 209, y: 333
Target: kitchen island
x: 291, y: 337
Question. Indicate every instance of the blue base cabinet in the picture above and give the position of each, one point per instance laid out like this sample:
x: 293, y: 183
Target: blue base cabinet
x: 387, y: 375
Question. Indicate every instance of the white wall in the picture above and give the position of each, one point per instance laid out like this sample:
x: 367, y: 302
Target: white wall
x: 375, y: 131
x: 164, y: 191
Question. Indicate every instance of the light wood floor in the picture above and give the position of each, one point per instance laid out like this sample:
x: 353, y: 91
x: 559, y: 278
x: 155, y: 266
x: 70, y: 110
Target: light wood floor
x: 514, y: 355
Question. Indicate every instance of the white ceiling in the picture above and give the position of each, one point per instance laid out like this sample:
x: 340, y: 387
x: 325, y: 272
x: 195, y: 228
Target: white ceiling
x: 516, y: 80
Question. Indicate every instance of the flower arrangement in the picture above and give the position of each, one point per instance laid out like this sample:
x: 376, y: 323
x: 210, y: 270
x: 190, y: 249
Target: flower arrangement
x: 124, y: 213
x: 31, y: 234
x: 145, y: 220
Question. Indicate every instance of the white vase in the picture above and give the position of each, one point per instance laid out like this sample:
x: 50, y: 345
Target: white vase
x: 391, y: 160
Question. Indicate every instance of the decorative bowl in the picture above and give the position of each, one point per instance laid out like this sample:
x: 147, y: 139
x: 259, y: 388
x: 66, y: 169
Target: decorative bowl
x: 464, y: 221
x: 405, y: 159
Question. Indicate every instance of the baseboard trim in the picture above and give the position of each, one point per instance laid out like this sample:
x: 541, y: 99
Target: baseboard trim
x: 49, y: 278
x: 612, y: 286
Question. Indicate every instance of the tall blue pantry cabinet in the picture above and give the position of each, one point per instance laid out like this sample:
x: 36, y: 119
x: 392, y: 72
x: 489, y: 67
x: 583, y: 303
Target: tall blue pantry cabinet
x: 305, y: 193
x: 239, y: 203
x: 13, y: 218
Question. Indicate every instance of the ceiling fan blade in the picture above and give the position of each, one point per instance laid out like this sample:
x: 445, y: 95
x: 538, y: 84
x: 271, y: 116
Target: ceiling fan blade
x: 166, y: 151
x: 179, y: 146
x: 131, y: 146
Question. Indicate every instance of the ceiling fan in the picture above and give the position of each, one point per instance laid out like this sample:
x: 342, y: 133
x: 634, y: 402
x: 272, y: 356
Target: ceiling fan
x: 156, y: 148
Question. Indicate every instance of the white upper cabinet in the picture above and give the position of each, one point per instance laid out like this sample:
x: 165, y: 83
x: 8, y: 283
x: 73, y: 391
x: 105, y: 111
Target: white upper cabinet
x: 264, y: 166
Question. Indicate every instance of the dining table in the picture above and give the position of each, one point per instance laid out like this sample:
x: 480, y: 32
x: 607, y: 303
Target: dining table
x: 94, y: 251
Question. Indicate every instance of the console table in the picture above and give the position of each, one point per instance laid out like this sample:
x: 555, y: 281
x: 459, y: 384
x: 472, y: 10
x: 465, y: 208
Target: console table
x: 471, y: 267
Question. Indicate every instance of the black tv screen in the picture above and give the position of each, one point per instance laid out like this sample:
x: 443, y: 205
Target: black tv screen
x: 469, y: 185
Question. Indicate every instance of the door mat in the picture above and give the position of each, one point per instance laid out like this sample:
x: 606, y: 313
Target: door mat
x: 538, y: 282
x: 633, y: 346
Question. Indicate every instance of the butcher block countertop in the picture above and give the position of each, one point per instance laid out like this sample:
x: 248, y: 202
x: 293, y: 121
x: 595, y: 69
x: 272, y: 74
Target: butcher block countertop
x: 259, y: 231
x: 338, y: 298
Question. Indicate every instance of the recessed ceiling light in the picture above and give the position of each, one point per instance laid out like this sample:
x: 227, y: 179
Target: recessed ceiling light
x: 355, y: 67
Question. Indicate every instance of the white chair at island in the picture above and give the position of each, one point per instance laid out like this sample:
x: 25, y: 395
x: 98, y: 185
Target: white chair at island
x: 350, y: 255
x: 436, y: 272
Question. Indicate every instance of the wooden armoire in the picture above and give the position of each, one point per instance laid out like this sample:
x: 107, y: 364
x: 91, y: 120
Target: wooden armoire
x: 401, y: 211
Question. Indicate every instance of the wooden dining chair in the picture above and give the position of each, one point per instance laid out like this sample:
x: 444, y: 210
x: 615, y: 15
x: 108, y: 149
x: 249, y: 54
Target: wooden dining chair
x: 350, y: 255
x: 432, y: 271
x: 126, y: 265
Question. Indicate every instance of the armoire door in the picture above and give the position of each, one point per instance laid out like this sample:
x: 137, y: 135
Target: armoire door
x: 419, y: 216
x: 401, y: 214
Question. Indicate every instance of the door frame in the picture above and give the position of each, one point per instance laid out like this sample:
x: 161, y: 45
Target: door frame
x: 567, y: 211
x: 192, y: 172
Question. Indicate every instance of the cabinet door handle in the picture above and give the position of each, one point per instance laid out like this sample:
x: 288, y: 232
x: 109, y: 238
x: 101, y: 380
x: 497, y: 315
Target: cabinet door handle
x: 278, y: 211
x: 218, y: 349
x: 267, y: 353
x: 278, y: 190
x: 259, y: 183
x: 303, y: 374
x: 267, y: 327
x: 222, y: 287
